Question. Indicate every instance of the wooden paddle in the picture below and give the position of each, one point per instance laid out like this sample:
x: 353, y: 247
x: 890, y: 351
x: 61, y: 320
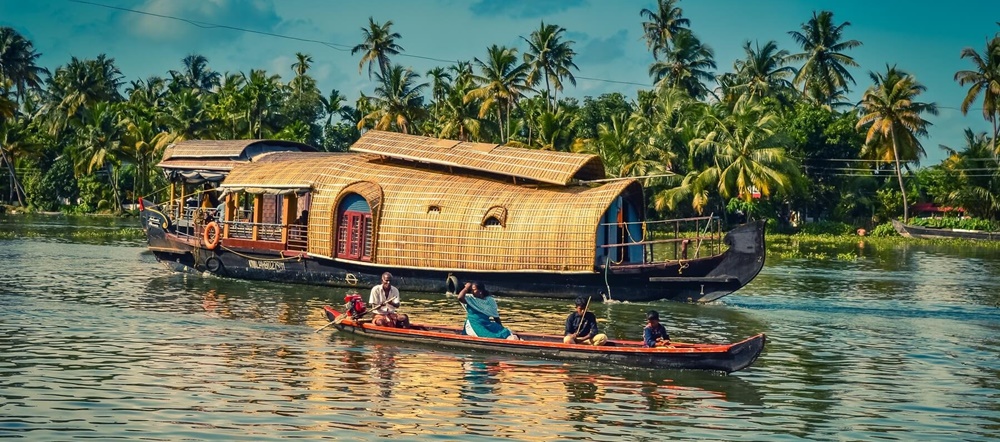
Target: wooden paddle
x: 582, y: 318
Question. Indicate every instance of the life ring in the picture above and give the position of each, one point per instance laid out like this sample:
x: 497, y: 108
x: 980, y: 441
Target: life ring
x: 451, y: 284
x: 213, y: 264
x: 212, y: 235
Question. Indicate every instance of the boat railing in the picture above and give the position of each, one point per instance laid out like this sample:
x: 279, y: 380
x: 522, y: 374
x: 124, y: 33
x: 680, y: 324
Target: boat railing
x: 298, y: 238
x: 192, y: 220
x: 673, y: 239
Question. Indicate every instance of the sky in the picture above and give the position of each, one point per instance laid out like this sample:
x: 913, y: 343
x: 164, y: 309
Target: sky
x: 151, y: 37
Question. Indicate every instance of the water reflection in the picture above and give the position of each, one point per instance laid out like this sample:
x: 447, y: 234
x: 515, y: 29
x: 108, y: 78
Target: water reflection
x: 99, y: 341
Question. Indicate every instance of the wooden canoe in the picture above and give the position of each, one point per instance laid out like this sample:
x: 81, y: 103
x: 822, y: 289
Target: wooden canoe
x: 717, y: 357
x: 920, y: 232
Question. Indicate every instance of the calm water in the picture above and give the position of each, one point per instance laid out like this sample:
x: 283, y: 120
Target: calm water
x: 97, y: 340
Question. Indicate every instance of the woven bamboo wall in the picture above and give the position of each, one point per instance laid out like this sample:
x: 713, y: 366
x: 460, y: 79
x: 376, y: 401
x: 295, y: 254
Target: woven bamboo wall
x: 546, y: 227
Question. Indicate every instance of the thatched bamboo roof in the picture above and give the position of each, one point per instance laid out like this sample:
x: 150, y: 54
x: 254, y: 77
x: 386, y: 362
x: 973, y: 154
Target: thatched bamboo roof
x: 229, y: 149
x: 539, y: 165
x: 433, y: 219
x: 199, y: 160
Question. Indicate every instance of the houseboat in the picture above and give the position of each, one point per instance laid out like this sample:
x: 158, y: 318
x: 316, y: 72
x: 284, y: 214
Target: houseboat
x: 436, y: 213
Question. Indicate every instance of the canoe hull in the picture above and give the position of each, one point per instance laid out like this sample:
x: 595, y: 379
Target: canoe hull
x: 722, y: 357
x: 920, y: 232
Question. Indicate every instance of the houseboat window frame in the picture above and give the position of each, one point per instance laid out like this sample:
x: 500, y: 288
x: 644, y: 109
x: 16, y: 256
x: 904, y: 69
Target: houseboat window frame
x: 355, y: 232
x: 492, y: 222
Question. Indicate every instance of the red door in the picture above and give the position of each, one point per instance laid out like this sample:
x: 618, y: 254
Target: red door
x: 354, y: 235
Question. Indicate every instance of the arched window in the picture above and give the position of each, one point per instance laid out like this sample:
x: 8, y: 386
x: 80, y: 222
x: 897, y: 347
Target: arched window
x: 354, y: 229
x: 496, y: 216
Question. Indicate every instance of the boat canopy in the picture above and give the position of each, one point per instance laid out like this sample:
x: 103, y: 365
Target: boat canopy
x: 540, y: 165
x: 197, y: 161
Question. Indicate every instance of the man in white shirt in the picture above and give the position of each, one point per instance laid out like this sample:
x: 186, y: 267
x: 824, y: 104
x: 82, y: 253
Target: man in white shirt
x: 385, y: 299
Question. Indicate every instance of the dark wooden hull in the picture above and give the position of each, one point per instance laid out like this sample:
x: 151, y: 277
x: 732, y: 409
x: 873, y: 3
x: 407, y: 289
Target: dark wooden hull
x: 716, y: 357
x: 695, y: 280
x: 920, y: 232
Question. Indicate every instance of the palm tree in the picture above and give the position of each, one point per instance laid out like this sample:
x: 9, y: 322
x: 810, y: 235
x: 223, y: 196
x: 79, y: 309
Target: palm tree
x: 300, y: 67
x: 76, y: 87
x: 616, y: 143
x: 763, y: 73
x: 440, y: 78
x: 142, y: 144
x: 334, y: 105
x: 985, y: 80
x: 196, y: 74
x: 744, y: 154
x: 555, y: 129
x: 893, y: 119
x: 148, y: 93
x: 823, y: 74
x: 550, y: 59
x: 186, y: 116
x: 17, y: 62
x: 971, y: 189
x: 459, y: 117
x: 261, y: 95
x: 227, y: 108
x: 378, y: 44
x: 100, y: 134
x: 685, y: 65
x: 15, y: 142
x: 663, y: 25
x: 397, y: 102
x: 502, y: 82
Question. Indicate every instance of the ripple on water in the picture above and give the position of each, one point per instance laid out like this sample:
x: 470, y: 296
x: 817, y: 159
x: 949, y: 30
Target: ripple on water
x: 99, y: 341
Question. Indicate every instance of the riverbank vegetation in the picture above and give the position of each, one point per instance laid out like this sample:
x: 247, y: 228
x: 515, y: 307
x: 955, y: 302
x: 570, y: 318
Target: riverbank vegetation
x: 767, y: 136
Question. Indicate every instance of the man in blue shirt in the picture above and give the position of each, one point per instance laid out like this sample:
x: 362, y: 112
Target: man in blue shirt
x: 581, y: 327
x: 655, y: 334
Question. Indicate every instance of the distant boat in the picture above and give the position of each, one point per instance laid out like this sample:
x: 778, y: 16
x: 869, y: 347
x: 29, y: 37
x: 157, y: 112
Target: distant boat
x: 921, y: 232
x: 716, y: 357
x: 436, y: 213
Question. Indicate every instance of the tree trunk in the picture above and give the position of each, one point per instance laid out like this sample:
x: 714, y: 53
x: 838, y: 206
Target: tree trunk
x: 15, y: 184
x: 899, y: 176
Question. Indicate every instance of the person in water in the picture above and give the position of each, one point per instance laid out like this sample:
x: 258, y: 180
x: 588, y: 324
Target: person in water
x: 655, y: 334
x: 581, y: 326
x: 482, y: 317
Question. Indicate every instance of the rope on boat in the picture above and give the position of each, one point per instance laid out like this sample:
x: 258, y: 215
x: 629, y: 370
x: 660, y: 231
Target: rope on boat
x: 607, y: 266
x: 154, y: 193
x: 697, y: 247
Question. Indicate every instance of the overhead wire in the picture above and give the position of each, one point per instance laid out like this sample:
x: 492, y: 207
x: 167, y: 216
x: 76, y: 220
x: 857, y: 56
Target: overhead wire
x: 335, y: 46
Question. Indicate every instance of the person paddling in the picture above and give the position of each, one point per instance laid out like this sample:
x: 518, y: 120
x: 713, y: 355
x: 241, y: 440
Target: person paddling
x: 581, y: 326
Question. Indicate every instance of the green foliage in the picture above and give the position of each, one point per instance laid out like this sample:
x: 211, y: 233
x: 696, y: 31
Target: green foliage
x: 751, y: 209
x: 596, y: 111
x: 94, y: 194
x: 949, y: 222
x: 820, y: 137
x: 827, y: 228
x: 883, y: 230
x: 889, y: 203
